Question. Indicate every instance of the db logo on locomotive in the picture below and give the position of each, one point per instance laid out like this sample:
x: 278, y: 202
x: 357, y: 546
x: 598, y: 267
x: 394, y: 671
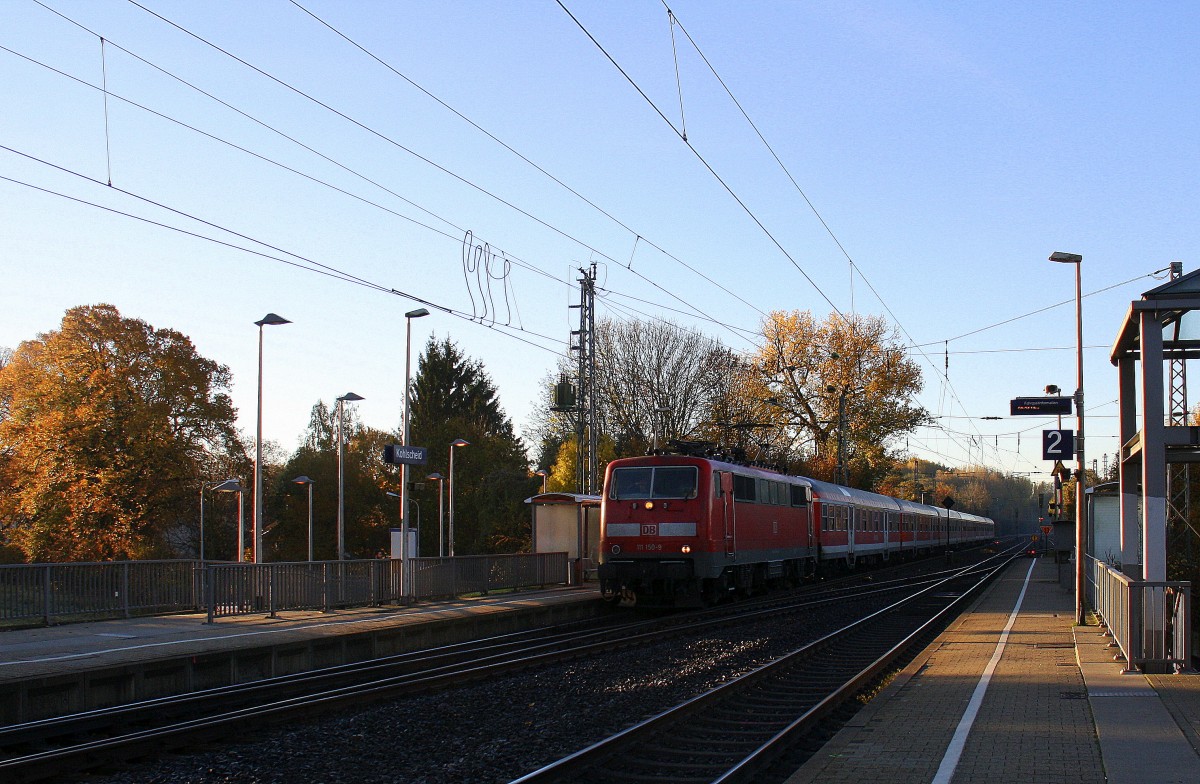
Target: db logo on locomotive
x: 649, y: 530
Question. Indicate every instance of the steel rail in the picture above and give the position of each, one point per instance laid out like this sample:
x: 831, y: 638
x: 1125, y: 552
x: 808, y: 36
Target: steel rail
x: 155, y: 725
x: 658, y: 748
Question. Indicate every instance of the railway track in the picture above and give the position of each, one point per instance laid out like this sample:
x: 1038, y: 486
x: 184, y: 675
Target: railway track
x: 103, y: 738
x: 734, y: 733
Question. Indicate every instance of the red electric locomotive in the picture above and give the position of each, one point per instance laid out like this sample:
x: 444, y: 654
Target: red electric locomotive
x: 683, y: 530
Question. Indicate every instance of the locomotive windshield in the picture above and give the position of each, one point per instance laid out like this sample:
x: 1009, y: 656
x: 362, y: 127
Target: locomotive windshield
x: 653, y: 482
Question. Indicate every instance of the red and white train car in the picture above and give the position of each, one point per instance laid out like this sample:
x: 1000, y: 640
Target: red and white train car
x: 679, y: 529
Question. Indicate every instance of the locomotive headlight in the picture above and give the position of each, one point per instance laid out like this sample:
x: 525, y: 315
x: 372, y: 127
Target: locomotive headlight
x: 687, y: 548
x: 649, y: 504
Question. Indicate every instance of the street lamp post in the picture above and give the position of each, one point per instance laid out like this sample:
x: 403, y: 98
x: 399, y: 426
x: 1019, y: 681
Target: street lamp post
x: 304, y: 480
x: 1081, y: 476
x: 543, y: 475
x: 404, y: 554
x: 454, y: 443
x: 270, y: 320
x: 341, y: 516
x: 207, y: 486
x: 441, y: 531
x: 234, y: 486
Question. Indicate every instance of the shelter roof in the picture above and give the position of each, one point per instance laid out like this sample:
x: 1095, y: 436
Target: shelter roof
x: 564, y: 498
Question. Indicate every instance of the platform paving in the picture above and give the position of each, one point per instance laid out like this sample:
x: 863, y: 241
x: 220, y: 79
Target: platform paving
x: 52, y: 671
x: 1057, y: 707
x: 49, y: 650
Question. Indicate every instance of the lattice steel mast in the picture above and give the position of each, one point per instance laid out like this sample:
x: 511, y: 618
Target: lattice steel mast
x: 583, y: 342
x: 1178, y: 483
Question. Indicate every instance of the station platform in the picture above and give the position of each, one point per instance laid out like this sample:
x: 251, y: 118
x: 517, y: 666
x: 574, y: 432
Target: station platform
x: 54, y: 670
x: 1014, y: 691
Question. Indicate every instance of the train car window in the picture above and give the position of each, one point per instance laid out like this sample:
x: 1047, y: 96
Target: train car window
x: 653, y: 482
x: 674, y: 482
x: 743, y: 488
x: 630, y: 483
x: 799, y: 495
x: 779, y: 494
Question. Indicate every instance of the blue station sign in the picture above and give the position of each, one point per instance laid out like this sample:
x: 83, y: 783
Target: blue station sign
x: 405, y: 455
x: 1058, y: 444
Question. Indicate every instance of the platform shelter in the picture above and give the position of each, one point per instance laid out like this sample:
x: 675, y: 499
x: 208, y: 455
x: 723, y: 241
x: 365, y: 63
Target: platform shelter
x: 1161, y: 327
x: 568, y: 522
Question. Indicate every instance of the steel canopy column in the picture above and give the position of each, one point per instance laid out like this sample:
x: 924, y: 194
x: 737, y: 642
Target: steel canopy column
x: 1154, y: 458
x: 1128, y: 472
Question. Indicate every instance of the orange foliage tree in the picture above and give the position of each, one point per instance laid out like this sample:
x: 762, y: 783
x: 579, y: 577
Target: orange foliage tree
x: 107, y: 426
x: 849, y: 375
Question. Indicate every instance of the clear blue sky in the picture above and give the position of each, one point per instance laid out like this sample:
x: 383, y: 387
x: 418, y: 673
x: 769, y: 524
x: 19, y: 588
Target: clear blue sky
x: 949, y: 147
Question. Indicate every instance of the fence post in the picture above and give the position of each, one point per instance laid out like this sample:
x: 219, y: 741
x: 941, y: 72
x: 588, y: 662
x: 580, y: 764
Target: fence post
x: 271, y: 589
x: 47, y: 600
x: 210, y: 592
x: 125, y: 587
x: 1137, y: 630
x: 325, y: 585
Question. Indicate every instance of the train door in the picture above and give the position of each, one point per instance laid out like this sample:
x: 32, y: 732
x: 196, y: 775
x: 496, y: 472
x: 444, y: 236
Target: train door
x: 852, y: 522
x: 728, y: 513
x: 811, y: 513
x: 889, y: 520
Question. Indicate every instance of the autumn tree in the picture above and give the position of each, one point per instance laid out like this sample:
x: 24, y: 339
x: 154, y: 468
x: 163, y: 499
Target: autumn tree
x: 847, y: 375
x: 108, y: 427
x: 654, y: 380
x: 369, y: 511
x: 454, y: 398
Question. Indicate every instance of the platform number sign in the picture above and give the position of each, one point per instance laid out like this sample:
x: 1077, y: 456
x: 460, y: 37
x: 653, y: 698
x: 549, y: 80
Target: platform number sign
x: 1058, y: 444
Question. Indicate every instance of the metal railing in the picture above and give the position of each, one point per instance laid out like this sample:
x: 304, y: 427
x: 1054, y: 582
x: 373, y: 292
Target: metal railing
x: 441, y: 577
x: 71, y: 592
x: 63, y: 592
x: 1149, y: 621
x: 244, y: 588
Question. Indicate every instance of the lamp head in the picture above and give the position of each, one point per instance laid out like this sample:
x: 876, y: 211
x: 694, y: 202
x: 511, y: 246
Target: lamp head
x: 229, y: 486
x: 302, y: 480
x: 350, y: 397
x: 460, y: 442
x: 435, y: 475
x: 1065, y: 258
x: 271, y: 320
x: 416, y: 313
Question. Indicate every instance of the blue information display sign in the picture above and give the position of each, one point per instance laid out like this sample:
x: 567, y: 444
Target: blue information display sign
x: 405, y: 455
x: 1058, y: 444
x: 1020, y: 406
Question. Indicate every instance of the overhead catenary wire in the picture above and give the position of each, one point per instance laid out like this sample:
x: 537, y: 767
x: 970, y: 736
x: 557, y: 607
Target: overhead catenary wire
x: 1043, y: 309
x: 301, y: 262
x: 387, y: 139
x: 948, y: 385
x: 511, y: 257
x: 636, y: 240
x: 704, y: 162
x: 638, y: 236
x: 841, y: 247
